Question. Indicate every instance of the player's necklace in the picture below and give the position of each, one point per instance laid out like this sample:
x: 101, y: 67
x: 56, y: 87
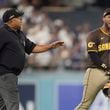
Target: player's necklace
x: 108, y: 34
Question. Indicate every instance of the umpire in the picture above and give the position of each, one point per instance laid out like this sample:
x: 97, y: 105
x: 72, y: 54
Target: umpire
x: 98, y: 71
x: 13, y: 46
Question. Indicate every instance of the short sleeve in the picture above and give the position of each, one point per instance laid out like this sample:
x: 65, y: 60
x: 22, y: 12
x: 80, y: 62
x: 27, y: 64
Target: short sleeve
x: 29, y: 45
x: 92, y: 43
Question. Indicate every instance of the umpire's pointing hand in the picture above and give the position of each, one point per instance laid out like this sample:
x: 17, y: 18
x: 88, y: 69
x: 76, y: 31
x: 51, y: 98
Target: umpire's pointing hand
x: 57, y: 44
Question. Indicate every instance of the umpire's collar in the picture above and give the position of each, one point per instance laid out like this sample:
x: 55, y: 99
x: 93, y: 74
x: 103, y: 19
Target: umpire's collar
x: 9, y: 29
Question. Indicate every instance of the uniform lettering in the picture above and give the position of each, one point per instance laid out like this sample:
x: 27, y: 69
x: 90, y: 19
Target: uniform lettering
x: 103, y: 47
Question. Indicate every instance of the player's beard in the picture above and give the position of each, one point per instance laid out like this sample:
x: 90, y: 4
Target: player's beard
x: 107, y: 26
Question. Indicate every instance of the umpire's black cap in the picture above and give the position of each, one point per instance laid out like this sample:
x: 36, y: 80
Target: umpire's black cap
x: 10, y: 14
x: 106, y: 12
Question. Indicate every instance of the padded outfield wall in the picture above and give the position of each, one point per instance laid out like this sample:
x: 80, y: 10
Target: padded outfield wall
x: 60, y: 90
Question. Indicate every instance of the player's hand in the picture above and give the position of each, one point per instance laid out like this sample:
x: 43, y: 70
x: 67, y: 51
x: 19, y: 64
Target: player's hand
x: 57, y: 44
x: 108, y: 73
x: 106, y: 69
x: 106, y: 89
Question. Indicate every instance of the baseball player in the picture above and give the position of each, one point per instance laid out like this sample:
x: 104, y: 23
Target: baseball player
x: 13, y: 46
x: 97, y: 73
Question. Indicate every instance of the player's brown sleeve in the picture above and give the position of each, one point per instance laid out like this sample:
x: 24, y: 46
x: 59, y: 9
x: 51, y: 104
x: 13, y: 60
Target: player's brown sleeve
x: 92, y: 43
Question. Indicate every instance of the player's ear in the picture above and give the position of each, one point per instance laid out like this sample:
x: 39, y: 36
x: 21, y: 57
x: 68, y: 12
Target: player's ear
x: 103, y: 19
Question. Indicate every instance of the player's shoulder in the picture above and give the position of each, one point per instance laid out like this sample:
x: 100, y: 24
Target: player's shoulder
x: 95, y: 31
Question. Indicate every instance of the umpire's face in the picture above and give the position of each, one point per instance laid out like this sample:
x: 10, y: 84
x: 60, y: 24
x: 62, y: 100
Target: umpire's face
x: 106, y: 21
x: 16, y: 22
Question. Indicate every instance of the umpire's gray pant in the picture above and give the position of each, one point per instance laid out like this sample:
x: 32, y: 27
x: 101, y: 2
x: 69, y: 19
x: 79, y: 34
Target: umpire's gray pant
x: 9, y: 96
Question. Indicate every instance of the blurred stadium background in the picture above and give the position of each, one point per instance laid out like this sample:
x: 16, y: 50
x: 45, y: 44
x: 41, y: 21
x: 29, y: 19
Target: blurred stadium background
x: 53, y: 80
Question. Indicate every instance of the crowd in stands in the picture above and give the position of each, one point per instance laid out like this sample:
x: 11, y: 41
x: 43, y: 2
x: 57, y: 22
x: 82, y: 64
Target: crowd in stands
x: 41, y: 29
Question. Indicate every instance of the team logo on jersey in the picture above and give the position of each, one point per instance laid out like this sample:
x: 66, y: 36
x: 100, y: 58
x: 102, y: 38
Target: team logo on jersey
x: 103, y: 47
x: 90, y: 44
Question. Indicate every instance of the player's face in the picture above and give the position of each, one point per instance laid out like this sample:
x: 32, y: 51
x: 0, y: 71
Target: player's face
x: 106, y: 21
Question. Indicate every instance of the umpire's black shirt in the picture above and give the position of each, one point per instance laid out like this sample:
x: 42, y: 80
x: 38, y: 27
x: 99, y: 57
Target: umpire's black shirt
x: 13, y: 45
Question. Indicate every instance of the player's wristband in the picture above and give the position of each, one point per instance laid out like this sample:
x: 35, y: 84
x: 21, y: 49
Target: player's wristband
x: 104, y: 66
